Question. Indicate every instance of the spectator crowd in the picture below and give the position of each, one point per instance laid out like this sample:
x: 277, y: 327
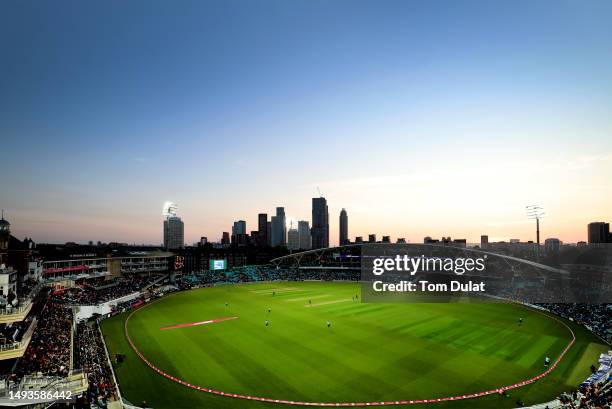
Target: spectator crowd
x: 596, y: 317
x: 49, y: 350
x: 88, y: 293
x: 90, y: 355
x: 588, y: 397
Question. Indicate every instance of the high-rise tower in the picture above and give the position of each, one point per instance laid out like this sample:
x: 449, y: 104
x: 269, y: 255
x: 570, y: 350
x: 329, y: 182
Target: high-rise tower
x: 174, y: 229
x: 320, y: 223
x: 304, y: 234
x: 343, y: 228
x: 278, y: 229
x: 262, y: 225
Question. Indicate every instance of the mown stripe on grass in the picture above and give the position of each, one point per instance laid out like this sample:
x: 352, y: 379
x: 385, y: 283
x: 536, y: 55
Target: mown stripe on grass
x: 328, y: 302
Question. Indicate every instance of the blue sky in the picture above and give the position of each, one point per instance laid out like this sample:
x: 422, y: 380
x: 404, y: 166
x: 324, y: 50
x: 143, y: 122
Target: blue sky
x: 108, y: 109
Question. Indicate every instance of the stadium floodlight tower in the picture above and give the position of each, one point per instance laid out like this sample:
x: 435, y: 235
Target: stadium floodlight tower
x: 535, y: 212
x: 169, y: 209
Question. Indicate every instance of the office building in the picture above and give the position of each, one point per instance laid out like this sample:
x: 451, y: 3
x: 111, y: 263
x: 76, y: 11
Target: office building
x: 262, y: 226
x: 599, y: 232
x: 484, y: 241
x: 459, y: 243
x: 293, y: 239
x: 238, y: 228
x: 225, y: 238
x: 320, y: 223
x: 343, y: 228
x: 254, y: 238
x: 552, y: 246
x: 174, y: 231
x: 304, y: 234
x: 278, y: 229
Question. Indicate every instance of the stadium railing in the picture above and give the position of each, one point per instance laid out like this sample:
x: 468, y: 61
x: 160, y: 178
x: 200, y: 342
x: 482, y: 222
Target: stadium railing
x: 110, y: 365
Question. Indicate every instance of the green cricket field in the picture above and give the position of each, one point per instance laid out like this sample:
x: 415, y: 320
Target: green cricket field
x: 317, y: 342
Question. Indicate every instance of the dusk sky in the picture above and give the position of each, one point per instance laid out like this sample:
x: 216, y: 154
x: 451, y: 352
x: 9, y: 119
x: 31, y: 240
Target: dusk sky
x: 419, y: 117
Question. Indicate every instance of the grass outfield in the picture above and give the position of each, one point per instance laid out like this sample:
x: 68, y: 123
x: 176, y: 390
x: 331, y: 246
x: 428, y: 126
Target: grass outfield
x: 372, y: 352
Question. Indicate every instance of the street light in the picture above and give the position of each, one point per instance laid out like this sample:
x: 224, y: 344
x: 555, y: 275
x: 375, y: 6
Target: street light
x: 536, y: 212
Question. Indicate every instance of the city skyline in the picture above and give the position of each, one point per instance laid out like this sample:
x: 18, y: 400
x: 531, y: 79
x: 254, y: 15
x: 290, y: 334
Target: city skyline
x: 243, y: 223
x: 421, y: 119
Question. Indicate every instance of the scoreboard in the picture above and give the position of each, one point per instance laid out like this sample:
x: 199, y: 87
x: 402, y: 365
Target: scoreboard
x: 218, y: 264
